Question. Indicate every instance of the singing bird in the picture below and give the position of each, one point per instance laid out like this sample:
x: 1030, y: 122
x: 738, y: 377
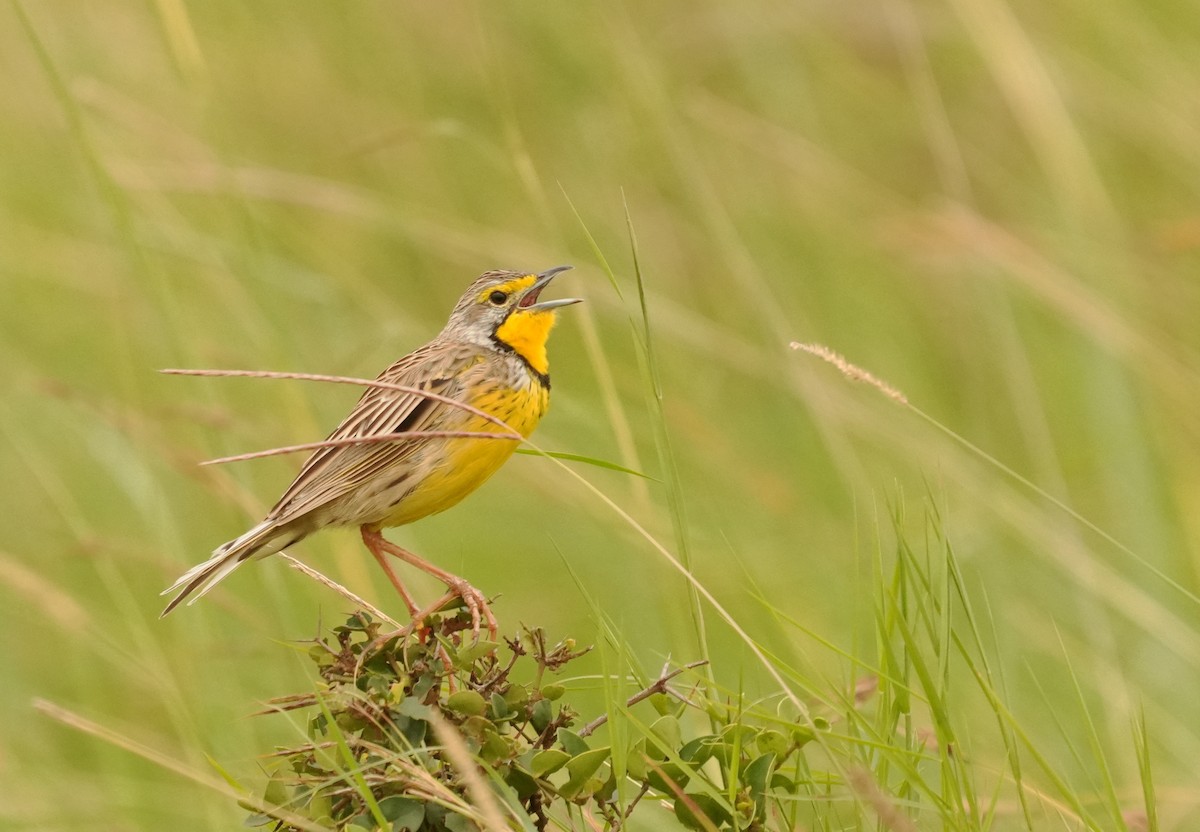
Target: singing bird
x: 489, y: 360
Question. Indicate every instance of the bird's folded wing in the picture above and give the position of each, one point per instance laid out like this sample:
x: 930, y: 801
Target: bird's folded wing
x: 331, y: 473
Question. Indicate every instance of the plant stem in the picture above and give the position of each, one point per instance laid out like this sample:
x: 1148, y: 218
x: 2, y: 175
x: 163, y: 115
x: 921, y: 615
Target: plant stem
x: 658, y: 686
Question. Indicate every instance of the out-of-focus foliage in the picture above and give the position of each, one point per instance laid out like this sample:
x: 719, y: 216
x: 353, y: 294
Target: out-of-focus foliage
x: 990, y: 204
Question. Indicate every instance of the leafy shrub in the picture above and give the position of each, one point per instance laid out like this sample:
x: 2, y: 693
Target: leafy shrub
x: 391, y: 710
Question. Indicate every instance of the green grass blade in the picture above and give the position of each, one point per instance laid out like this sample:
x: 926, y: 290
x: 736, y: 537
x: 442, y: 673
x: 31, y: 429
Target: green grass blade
x: 662, y: 439
x: 352, y: 772
x: 1141, y: 747
x: 587, y: 460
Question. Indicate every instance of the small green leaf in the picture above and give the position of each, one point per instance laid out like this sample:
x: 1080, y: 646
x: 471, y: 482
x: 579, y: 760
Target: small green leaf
x: 662, y: 703
x: 477, y: 727
x: 412, y: 708
x: 357, y: 622
x: 706, y: 805
x: 585, y: 764
x: 435, y: 816
x: 594, y: 784
x: 349, y: 723
x: 666, y: 729
x: 473, y: 651
x: 743, y: 735
x: 581, y: 768
x: 495, y: 748
x: 607, y: 788
x: 699, y: 750
x: 773, y: 742
x: 522, y: 782
x: 757, y: 775
x: 541, y: 715
x: 553, y: 692
x: 547, y: 762
x: 458, y: 823
x: 424, y: 685
x: 414, y: 730
x: 499, y: 707
x: 454, y: 602
x: 403, y: 812
x: 276, y: 793
x: 363, y: 821
x: 663, y: 775
x: 719, y: 712
x: 802, y: 734
x: 466, y: 702
x: 516, y: 695
x: 320, y: 806
x: 572, y: 742
x: 783, y: 783
x: 635, y: 760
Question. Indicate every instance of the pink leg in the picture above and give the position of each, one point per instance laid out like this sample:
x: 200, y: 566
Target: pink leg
x: 475, y: 600
x: 377, y: 545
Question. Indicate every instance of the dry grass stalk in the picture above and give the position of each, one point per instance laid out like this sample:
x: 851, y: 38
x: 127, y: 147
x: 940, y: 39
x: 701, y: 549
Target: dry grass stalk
x: 510, y: 434
x: 460, y: 758
x: 364, y: 440
x: 339, y: 589
x: 53, y: 601
x: 851, y: 371
x: 890, y: 817
x: 82, y: 724
x: 359, y: 382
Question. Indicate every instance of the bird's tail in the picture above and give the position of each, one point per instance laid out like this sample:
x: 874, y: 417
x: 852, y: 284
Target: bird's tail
x: 264, y: 539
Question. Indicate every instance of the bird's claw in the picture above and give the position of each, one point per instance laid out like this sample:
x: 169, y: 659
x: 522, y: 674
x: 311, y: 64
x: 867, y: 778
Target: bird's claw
x: 477, y: 605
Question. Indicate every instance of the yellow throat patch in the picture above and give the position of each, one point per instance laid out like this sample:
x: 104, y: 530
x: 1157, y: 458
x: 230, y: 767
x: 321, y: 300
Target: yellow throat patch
x: 524, y: 331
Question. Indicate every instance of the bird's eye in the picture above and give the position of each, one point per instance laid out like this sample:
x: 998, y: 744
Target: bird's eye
x: 498, y: 298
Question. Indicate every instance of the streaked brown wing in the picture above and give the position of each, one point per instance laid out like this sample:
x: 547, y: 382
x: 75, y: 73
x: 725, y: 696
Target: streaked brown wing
x: 331, y: 473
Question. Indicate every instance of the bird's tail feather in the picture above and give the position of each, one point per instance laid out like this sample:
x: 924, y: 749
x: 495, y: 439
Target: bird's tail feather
x: 264, y: 539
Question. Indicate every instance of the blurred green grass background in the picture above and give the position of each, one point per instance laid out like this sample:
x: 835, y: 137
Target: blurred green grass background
x: 991, y: 205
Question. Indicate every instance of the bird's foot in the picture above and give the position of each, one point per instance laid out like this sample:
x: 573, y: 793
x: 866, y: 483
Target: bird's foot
x: 476, y: 603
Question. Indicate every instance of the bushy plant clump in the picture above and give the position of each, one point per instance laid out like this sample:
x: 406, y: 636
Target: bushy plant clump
x: 431, y: 732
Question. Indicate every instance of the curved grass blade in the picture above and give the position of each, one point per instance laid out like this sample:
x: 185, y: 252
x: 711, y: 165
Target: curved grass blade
x: 589, y: 460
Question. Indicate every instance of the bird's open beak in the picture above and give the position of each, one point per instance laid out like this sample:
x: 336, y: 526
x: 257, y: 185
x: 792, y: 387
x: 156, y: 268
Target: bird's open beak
x: 529, y: 300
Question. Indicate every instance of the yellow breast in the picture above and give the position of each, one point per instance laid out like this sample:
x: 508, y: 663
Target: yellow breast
x: 462, y: 465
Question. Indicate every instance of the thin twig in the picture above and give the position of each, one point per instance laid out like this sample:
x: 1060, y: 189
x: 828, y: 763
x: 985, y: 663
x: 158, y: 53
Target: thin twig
x: 361, y: 382
x: 658, y: 686
x: 365, y: 440
x: 637, y: 799
x: 339, y: 589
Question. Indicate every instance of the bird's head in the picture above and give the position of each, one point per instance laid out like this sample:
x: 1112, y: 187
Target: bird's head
x: 503, y: 308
